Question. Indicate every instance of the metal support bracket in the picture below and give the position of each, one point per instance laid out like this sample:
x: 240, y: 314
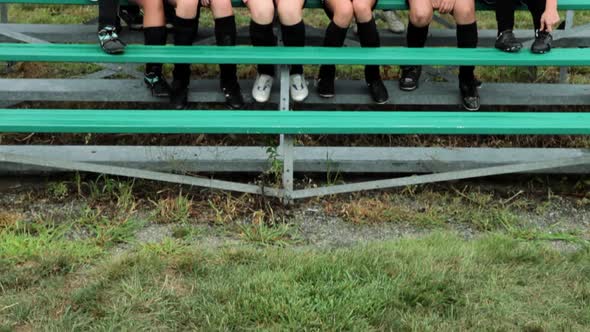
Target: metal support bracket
x: 141, y: 174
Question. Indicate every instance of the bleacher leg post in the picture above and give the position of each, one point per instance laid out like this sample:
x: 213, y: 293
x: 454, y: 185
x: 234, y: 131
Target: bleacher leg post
x: 286, y: 140
x: 569, y: 23
x: 3, y: 13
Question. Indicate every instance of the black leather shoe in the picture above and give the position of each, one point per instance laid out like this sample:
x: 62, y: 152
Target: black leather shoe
x: 378, y: 91
x: 233, y: 94
x: 507, y: 42
x: 326, y: 87
x: 542, y: 42
x: 179, y: 95
x: 157, y: 84
x: 469, y: 95
x: 409, y: 77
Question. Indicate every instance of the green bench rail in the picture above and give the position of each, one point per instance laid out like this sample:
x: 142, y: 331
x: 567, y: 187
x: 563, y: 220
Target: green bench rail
x: 383, y: 4
x: 296, y: 122
x: 445, y: 56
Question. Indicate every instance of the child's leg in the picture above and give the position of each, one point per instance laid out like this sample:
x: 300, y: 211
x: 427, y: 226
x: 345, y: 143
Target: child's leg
x: 341, y: 13
x: 184, y: 27
x: 505, y: 15
x: 225, y: 35
x: 261, y: 32
x: 155, y: 33
x: 537, y: 8
x: 464, y: 13
x: 107, y: 13
x: 368, y: 34
x: 292, y: 27
x: 420, y: 16
x: 185, y: 30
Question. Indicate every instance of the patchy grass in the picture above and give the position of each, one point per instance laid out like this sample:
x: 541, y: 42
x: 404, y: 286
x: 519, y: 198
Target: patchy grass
x: 438, y: 283
x: 173, y: 210
x: 276, y: 235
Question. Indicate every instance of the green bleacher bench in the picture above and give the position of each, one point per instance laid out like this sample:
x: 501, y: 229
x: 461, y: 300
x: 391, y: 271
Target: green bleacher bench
x: 444, y: 56
x: 382, y: 4
x: 296, y: 122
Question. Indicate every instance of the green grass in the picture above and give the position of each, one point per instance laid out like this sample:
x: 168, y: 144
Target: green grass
x: 440, y: 282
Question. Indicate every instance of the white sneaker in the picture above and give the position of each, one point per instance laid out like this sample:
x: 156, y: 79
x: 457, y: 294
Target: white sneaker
x: 394, y: 24
x: 262, y: 88
x: 298, y: 87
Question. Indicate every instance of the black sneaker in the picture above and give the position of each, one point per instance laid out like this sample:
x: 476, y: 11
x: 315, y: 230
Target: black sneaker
x: 507, y: 42
x: 134, y: 21
x: 378, y: 91
x: 233, y: 94
x: 179, y: 95
x: 326, y: 87
x: 109, y: 40
x: 542, y: 42
x: 157, y: 84
x: 469, y: 95
x: 409, y: 77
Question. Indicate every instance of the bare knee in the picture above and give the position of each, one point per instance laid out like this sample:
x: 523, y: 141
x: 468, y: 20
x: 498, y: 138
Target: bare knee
x: 221, y: 8
x: 343, y: 13
x: 186, y: 8
x: 363, y: 10
x: 421, y: 17
x: 464, y: 12
x: 290, y: 11
x: 262, y: 13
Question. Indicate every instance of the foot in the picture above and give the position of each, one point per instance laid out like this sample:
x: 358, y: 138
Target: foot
x: 394, y: 24
x: 179, y: 95
x: 109, y: 40
x: 542, y: 42
x: 233, y: 94
x: 507, y: 42
x: 326, y: 87
x: 157, y: 84
x: 262, y: 88
x: 409, y: 77
x: 378, y: 91
x: 132, y: 20
x: 469, y: 95
x: 298, y: 87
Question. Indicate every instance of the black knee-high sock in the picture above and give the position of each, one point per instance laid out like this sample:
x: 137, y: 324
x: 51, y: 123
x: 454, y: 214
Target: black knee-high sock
x: 107, y: 13
x: 263, y: 35
x: 154, y: 36
x: 505, y: 15
x: 369, y: 37
x: 294, y: 35
x: 536, y: 7
x: 416, y: 36
x: 467, y: 38
x: 225, y: 35
x: 334, y: 37
x: 184, y: 35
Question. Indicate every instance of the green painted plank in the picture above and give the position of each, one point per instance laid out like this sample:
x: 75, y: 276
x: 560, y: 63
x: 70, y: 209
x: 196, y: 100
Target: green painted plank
x: 383, y: 4
x: 299, y: 122
x: 286, y: 55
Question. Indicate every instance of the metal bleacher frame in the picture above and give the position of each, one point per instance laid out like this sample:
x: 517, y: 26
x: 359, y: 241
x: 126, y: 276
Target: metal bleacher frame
x: 451, y: 163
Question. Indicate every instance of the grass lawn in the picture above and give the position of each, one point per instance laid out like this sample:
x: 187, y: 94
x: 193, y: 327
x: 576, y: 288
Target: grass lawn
x: 438, y: 282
